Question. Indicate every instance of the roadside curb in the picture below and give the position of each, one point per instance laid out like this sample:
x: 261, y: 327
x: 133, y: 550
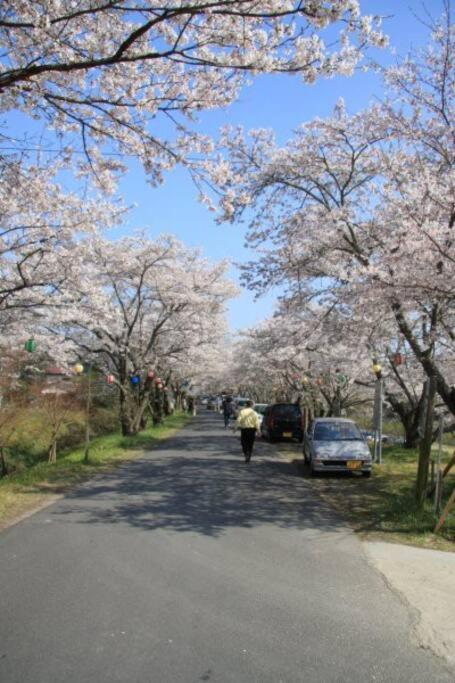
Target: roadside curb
x: 53, y: 498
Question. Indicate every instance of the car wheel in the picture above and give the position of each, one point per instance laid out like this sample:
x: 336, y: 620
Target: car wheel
x: 366, y: 474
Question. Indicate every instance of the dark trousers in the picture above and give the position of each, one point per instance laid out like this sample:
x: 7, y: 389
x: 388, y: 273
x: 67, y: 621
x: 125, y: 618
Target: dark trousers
x: 247, y: 439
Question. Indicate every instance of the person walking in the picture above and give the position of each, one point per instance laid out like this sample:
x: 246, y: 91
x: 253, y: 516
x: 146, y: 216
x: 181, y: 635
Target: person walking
x: 228, y: 411
x: 248, y: 423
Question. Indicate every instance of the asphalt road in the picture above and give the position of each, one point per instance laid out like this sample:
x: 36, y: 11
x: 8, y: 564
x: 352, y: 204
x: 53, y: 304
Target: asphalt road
x: 188, y: 565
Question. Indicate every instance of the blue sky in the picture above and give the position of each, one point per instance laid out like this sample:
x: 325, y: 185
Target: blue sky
x: 280, y: 102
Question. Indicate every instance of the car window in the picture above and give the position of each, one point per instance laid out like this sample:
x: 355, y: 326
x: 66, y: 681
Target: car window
x: 336, y: 431
x: 289, y: 412
x: 260, y: 408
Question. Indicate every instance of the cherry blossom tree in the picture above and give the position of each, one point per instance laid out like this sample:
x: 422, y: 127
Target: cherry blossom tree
x: 356, y: 213
x: 140, y: 307
x: 116, y: 79
x: 108, y: 71
x: 40, y: 228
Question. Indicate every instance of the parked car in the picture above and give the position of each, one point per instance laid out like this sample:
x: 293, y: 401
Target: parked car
x: 334, y: 444
x: 282, y: 421
x: 368, y: 436
x: 259, y: 409
x: 392, y: 440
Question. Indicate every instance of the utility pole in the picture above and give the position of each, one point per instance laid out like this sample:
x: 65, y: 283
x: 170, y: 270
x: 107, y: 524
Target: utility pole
x: 377, y: 413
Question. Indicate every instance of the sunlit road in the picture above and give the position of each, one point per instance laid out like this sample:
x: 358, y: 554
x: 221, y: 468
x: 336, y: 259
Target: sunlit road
x: 188, y: 565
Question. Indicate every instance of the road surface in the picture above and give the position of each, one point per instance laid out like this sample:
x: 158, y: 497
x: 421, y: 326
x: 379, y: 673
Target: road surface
x: 188, y: 565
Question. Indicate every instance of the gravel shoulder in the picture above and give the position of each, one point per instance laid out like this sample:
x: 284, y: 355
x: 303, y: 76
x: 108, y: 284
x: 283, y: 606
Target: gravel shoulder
x: 426, y: 580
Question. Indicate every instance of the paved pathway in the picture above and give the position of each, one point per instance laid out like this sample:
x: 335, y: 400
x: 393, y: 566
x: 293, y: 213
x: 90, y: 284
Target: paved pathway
x: 188, y: 565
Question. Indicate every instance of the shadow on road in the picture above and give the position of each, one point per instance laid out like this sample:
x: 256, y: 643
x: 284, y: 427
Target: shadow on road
x: 198, y: 482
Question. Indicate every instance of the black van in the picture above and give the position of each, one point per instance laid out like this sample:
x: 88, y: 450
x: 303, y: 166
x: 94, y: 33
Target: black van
x: 282, y: 421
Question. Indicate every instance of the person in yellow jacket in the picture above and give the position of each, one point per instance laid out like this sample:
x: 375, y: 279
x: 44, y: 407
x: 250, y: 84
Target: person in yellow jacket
x: 248, y: 423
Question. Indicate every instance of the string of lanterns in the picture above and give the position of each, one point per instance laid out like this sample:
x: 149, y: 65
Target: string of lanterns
x: 135, y: 379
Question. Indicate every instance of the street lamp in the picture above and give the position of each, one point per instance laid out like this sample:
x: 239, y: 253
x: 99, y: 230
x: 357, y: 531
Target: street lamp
x: 377, y: 368
x: 377, y: 412
x: 79, y: 369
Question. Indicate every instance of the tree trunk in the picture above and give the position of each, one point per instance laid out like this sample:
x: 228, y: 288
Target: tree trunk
x: 444, y: 389
x: 52, y: 457
x: 126, y: 415
x: 410, y: 418
x: 411, y: 431
x: 132, y: 412
x: 126, y: 421
x: 178, y: 400
x: 425, y: 444
x: 140, y: 419
x: 166, y: 405
x: 3, y: 462
x: 157, y: 408
x: 411, y: 438
x: 410, y: 415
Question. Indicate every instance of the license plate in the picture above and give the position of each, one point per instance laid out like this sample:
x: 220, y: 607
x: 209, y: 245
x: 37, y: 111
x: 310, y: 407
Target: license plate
x: 354, y: 464
x: 287, y: 435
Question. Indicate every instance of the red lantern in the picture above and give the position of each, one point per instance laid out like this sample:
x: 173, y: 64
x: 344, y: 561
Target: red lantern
x: 110, y: 379
x: 397, y: 359
x: 158, y: 381
x: 319, y: 381
x: 150, y: 375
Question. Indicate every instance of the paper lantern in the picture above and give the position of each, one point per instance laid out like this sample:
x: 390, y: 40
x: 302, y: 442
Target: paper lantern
x: 397, y: 359
x: 135, y: 379
x: 377, y: 369
x: 30, y: 345
x: 150, y: 375
x: 110, y: 379
x: 78, y: 368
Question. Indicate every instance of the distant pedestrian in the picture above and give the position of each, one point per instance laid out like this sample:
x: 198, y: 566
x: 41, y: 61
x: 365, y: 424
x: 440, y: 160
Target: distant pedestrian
x: 248, y: 423
x: 228, y: 411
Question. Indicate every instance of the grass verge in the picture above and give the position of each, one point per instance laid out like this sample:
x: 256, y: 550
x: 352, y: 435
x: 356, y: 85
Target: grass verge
x: 31, y: 488
x: 383, y: 507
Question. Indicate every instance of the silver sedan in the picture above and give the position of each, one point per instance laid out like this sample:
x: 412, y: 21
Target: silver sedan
x: 335, y: 444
